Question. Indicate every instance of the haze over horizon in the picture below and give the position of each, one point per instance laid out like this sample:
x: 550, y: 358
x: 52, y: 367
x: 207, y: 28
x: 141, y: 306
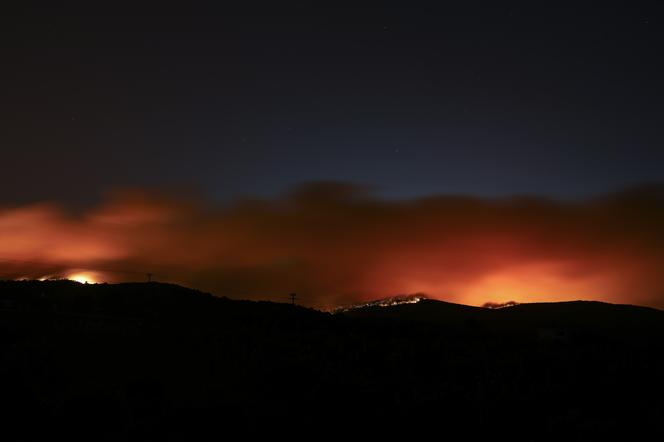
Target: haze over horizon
x: 342, y: 153
x: 336, y: 243
x: 475, y: 152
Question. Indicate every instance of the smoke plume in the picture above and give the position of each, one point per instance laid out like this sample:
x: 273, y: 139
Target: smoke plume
x: 334, y: 243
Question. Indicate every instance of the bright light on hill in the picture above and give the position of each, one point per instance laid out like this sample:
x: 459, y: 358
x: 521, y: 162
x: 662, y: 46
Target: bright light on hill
x: 84, y: 277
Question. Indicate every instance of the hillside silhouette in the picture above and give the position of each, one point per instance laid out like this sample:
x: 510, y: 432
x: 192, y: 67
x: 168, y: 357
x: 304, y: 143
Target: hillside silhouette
x: 615, y: 320
x: 151, y: 361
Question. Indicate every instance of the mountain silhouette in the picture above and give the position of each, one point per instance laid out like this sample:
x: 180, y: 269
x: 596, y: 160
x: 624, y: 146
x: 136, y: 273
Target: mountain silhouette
x: 581, y: 315
x: 151, y: 361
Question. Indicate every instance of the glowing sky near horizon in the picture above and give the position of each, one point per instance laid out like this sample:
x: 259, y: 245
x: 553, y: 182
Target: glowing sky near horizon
x: 333, y: 243
x: 446, y: 111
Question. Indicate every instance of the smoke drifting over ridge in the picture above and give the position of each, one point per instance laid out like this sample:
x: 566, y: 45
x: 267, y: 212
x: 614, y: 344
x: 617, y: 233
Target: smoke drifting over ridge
x: 333, y: 243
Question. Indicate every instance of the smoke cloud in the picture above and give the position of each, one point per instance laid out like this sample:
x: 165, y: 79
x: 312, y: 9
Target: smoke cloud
x: 335, y: 243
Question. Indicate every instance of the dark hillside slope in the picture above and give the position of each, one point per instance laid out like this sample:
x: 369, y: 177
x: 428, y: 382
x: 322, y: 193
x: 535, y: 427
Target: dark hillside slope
x: 575, y: 316
x: 160, y: 362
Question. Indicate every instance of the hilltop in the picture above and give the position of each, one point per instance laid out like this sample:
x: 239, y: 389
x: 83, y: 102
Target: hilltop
x: 588, y: 316
x: 150, y: 361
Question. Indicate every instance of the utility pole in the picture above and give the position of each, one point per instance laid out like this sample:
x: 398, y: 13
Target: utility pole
x: 292, y: 297
x: 149, y: 275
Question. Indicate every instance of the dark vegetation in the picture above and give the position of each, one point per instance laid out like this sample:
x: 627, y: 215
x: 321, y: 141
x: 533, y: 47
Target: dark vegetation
x: 160, y: 362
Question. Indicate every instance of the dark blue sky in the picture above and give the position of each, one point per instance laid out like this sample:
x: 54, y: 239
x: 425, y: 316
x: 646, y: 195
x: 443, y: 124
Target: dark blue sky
x: 488, y: 99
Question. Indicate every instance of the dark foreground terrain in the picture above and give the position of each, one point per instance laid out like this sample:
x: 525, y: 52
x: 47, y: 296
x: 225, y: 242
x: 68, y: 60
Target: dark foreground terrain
x: 161, y: 362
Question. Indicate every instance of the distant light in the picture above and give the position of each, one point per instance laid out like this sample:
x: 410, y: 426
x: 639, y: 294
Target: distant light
x: 498, y: 305
x: 84, y: 277
x: 385, y: 302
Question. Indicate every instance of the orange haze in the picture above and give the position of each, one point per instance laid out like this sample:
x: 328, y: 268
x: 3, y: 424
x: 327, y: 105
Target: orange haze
x: 333, y: 243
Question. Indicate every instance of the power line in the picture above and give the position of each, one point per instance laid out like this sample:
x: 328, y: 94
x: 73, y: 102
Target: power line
x: 150, y: 276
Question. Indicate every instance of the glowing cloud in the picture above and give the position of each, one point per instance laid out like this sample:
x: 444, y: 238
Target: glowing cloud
x: 85, y: 277
x: 333, y: 243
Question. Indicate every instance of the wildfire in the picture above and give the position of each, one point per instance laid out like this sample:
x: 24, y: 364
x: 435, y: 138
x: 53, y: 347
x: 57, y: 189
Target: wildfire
x: 336, y: 246
x: 84, y: 277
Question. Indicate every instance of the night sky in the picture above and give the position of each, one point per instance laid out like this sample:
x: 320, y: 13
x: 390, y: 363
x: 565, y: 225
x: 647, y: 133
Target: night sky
x: 342, y: 153
x: 487, y: 99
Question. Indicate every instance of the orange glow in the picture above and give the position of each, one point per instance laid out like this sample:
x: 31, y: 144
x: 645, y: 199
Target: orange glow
x: 84, y: 277
x: 533, y: 283
x: 333, y: 244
